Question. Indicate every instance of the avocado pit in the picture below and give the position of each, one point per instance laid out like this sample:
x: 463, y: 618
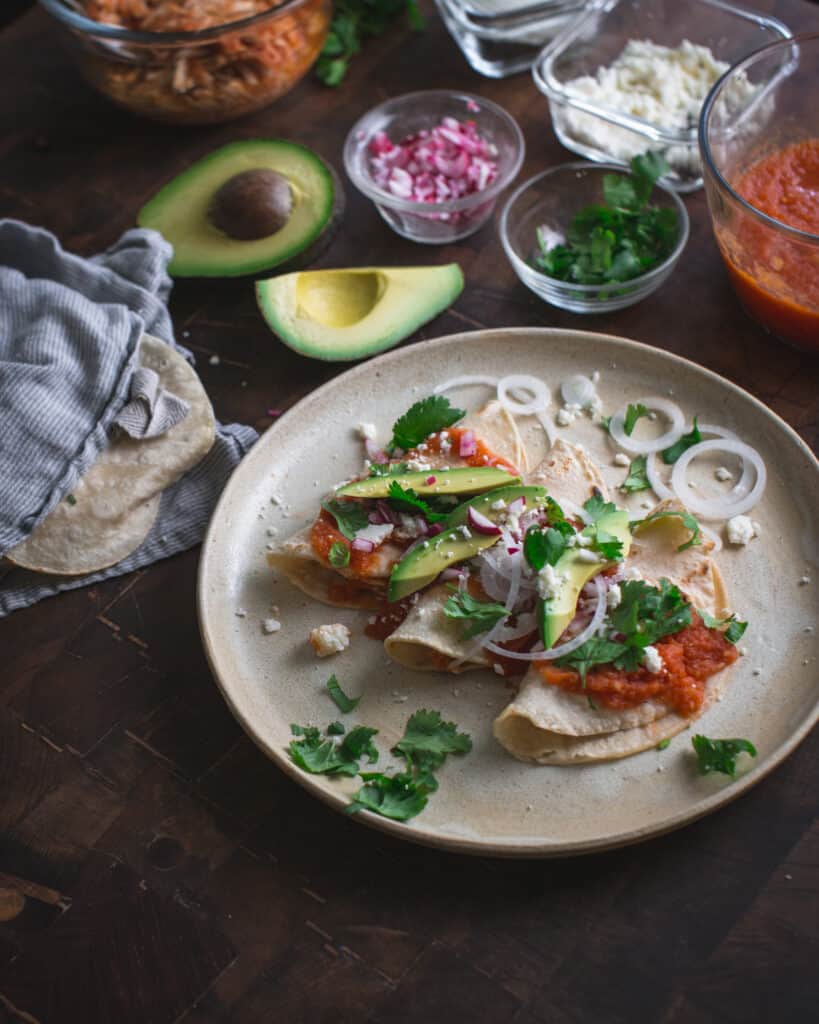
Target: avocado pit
x: 252, y: 205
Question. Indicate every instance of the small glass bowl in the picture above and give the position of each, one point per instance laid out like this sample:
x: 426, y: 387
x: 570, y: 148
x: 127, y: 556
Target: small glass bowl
x: 434, y: 223
x: 201, y: 77
x: 500, y: 42
x: 773, y: 267
x: 598, y: 37
x: 550, y: 200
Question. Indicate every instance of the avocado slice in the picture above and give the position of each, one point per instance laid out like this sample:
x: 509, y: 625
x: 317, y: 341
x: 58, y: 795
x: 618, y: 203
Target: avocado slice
x: 284, y: 188
x: 422, y: 564
x: 573, y: 573
x: 460, y: 480
x: 350, y: 314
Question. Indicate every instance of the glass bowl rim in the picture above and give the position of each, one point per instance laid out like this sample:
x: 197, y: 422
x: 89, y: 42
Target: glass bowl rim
x: 88, y: 26
x: 355, y: 140
x: 549, y: 86
x: 705, y: 148
x: 570, y: 287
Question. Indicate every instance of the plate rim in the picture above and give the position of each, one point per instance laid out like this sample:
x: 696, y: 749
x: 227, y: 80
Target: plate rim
x: 416, y: 832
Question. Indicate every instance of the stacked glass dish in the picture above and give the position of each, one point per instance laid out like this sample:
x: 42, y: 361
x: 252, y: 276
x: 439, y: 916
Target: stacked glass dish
x: 503, y: 37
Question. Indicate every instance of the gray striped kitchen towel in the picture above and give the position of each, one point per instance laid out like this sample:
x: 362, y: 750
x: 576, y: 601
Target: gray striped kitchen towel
x: 69, y: 333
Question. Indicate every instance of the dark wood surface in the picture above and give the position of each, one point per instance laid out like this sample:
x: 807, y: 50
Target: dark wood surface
x: 155, y: 867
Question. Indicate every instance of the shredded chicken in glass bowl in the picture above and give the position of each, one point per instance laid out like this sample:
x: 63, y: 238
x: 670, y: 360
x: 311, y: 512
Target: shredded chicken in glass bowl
x: 193, y: 61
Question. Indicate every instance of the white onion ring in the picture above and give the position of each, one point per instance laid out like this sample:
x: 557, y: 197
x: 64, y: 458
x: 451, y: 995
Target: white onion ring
x: 674, y: 432
x: 569, y: 646
x: 523, y: 381
x: 465, y: 381
x: 578, y: 390
x: 719, y: 508
x: 661, y: 489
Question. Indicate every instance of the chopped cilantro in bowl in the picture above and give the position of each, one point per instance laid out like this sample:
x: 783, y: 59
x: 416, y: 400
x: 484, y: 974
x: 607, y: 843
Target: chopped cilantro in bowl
x: 593, y: 238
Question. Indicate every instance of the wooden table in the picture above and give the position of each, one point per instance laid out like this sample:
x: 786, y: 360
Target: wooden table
x: 156, y: 867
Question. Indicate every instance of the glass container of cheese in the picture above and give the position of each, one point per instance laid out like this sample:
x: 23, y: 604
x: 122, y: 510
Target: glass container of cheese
x: 503, y: 37
x: 651, y: 99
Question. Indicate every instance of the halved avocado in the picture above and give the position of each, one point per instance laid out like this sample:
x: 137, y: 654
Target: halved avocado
x: 556, y: 613
x: 350, y: 314
x: 460, y: 480
x: 244, y: 208
x: 421, y: 565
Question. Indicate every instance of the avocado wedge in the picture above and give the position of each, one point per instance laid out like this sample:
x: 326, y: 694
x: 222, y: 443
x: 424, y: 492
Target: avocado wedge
x: 456, y: 543
x: 244, y: 208
x: 573, y: 571
x: 354, y: 313
x: 460, y: 480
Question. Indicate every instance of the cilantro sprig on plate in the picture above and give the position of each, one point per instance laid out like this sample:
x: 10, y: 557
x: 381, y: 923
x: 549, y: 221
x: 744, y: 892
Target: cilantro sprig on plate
x: 670, y: 455
x: 404, y: 499
x: 350, y: 516
x: 353, y: 22
x: 482, y: 615
x: 425, y: 417
x: 720, y: 755
x: 637, y: 479
x: 618, y: 240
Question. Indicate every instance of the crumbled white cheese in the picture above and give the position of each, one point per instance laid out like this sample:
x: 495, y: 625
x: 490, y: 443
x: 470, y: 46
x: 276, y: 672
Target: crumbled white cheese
x: 498, y: 505
x: 723, y: 474
x: 465, y: 531
x: 740, y: 530
x: 214, y: 360
x: 584, y: 555
x: 621, y: 459
x: 655, y: 83
x: 330, y: 639
x: 271, y: 625
x: 568, y: 414
x: 549, y: 582
x: 594, y: 406
x: 418, y: 465
x: 652, y: 659
x: 584, y: 540
x: 446, y: 447
x: 366, y: 431
x: 614, y: 596
x: 376, y: 533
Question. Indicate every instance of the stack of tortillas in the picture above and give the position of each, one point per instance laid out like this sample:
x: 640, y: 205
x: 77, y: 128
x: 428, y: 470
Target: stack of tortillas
x: 112, y: 508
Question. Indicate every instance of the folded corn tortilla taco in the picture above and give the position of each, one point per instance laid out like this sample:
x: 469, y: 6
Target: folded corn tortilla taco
x: 363, y: 582
x: 548, y: 724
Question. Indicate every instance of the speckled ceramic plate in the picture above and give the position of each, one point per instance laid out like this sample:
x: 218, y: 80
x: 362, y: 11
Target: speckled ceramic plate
x: 487, y: 802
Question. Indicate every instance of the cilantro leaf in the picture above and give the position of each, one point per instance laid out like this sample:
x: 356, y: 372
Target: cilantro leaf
x: 597, y: 506
x: 646, y: 614
x: 720, y: 755
x: 688, y: 520
x: 735, y: 629
x: 482, y: 614
x: 358, y: 742
x: 321, y: 756
x: 344, y: 703
x: 605, y: 423
x: 595, y: 651
x: 335, y: 729
x: 609, y: 546
x: 426, y: 742
x: 670, y: 455
x: 664, y: 744
x: 398, y: 797
x: 349, y: 516
x: 388, y: 468
x: 406, y: 500
x: 544, y: 547
x: 425, y: 417
x: 634, y: 413
x: 353, y: 21
x: 339, y: 554
x: 637, y: 480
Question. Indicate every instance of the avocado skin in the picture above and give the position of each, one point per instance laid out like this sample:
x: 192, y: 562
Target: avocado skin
x: 421, y: 566
x: 556, y: 614
x: 460, y: 480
